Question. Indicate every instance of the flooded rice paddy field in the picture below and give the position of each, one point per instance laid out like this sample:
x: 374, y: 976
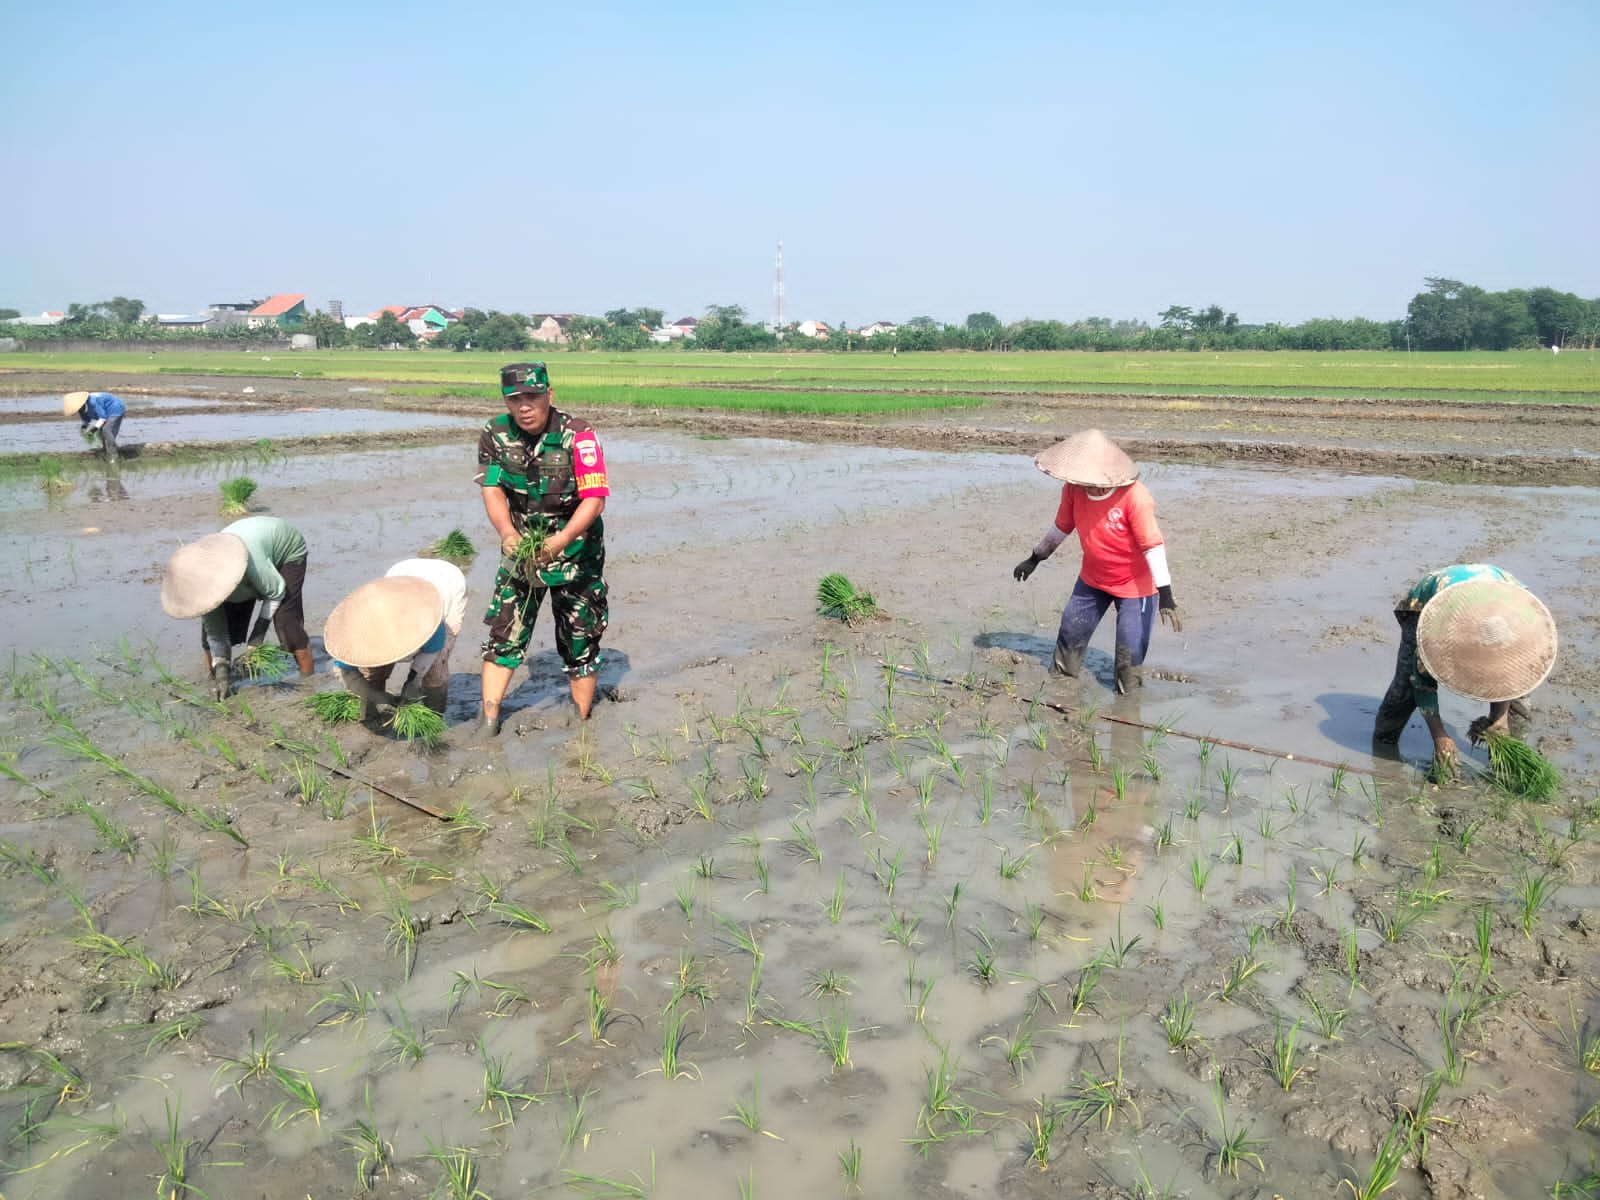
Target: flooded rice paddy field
x: 806, y: 909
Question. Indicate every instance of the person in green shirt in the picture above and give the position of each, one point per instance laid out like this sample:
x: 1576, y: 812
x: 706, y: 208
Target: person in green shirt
x: 1476, y: 629
x: 222, y: 576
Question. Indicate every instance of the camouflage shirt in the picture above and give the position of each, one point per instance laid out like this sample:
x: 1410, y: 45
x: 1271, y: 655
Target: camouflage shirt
x: 547, y: 473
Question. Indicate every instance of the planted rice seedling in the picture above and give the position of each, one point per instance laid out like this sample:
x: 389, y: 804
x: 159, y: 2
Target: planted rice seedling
x: 1520, y: 770
x: 408, y: 1042
x: 838, y: 597
x: 499, y: 1096
x: 1233, y: 1146
x: 373, y: 1153
x: 459, y: 1172
x: 300, y: 1098
x: 236, y: 495
x: 1533, y: 894
x: 850, y: 1165
x: 175, y: 1151
x: 416, y: 722
x: 1097, y: 1099
x: 1177, y: 1021
x: 1283, y: 1061
x: 834, y: 904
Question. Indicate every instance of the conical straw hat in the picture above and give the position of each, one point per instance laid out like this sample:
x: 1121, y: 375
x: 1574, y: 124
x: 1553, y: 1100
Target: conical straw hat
x: 72, y: 402
x: 1089, y: 459
x: 1487, y: 639
x: 383, y: 621
x: 201, y: 575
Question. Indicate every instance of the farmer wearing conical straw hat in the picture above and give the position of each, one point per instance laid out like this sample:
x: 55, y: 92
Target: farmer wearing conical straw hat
x: 540, y: 466
x: 1478, y: 631
x: 1124, y: 554
x: 97, y: 412
x: 221, y: 576
x: 414, y: 612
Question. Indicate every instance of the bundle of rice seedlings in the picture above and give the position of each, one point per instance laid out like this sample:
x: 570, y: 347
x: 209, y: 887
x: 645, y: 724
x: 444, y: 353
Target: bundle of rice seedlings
x: 416, y: 722
x: 526, y: 556
x: 838, y: 597
x: 454, y: 545
x: 264, y: 662
x: 236, y: 495
x: 55, y: 474
x: 335, y: 708
x: 1519, y: 769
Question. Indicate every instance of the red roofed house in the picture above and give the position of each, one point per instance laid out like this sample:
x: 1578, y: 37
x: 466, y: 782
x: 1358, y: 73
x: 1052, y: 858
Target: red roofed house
x: 286, y: 312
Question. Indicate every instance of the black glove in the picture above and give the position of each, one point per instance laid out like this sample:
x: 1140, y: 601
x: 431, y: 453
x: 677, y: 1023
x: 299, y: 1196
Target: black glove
x: 1025, y: 568
x: 258, y: 632
x: 1169, y: 608
x: 221, y: 679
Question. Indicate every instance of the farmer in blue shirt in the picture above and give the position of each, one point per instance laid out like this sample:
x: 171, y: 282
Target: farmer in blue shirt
x: 98, y: 412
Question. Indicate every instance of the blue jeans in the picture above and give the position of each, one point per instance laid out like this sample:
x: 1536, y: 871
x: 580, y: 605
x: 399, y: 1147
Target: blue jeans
x: 1136, y: 617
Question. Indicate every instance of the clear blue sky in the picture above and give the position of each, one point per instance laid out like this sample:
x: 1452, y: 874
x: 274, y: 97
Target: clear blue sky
x: 1283, y: 160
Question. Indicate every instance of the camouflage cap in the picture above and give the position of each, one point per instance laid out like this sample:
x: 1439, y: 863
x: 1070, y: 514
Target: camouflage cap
x: 525, y: 378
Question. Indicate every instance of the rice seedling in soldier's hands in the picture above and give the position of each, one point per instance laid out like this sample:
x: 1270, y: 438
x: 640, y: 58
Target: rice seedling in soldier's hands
x: 1519, y: 769
x: 416, y: 722
x: 236, y: 495
x: 335, y: 708
x: 838, y: 597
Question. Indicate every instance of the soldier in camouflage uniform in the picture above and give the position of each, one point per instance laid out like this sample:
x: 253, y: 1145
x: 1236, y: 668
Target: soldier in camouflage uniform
x: 539, y: 466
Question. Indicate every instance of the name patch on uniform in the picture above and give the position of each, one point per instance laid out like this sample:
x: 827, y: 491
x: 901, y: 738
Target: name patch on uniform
x: 593, y: 479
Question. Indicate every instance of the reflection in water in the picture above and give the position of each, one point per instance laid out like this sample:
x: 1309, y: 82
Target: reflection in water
x: 113, y: 489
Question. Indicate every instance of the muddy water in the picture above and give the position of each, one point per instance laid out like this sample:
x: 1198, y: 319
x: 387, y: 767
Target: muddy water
x: 243, y: 427
x: 1022, y: 893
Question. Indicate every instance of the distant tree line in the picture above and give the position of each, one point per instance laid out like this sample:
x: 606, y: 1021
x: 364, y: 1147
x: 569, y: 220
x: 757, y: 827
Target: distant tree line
x: 1446, y: 315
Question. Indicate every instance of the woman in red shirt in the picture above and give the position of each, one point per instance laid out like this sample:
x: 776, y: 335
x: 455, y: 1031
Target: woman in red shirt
x: 1124, y: 555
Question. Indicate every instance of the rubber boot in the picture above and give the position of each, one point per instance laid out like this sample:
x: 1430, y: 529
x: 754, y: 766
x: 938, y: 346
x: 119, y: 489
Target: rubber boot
x: 583, y: 691
x: 1129, y: 677
x: 303, y: 658
x: 1067, y: 660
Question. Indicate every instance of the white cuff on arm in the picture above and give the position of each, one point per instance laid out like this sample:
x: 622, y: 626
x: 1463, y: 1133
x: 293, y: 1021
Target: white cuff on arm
x: 1047, y: 544
x: 1156, y: 557
x: 268, y: 608
x: 221, y: 649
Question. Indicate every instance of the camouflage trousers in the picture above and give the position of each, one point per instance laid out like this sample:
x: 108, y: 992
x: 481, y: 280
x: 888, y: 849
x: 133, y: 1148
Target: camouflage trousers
x: 579, y: 609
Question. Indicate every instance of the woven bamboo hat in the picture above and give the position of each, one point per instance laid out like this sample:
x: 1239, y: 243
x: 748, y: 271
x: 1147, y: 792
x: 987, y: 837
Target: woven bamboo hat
x: 383, y: 621
x: 72, y: 402
x: 1089, y: 459
x: 201, y: 575
x: 1487, y: 639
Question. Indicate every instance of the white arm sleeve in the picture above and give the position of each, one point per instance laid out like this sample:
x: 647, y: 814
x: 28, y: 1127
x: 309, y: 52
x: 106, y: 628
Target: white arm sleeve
x: 269, y: 607
x: 422, y: 660
x: 1156, y: 557
x: 1047, y: 544
x: 221, y: 649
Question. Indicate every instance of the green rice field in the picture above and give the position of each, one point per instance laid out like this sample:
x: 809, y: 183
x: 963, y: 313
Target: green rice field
x: 683, y: 376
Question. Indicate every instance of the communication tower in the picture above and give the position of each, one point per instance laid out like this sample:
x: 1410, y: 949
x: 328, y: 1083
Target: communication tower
x: 777, y: 293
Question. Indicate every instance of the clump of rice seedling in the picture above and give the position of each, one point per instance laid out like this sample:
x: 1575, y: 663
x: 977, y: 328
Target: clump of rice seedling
x: 453, y: 545
x: 525, y: 558
x: 416, y: 722
x: 264, y: 662
x: 334, y: 708
x: 1519, y: 769
x: 236, y: 495
x: 838, y: 597
x: 54, y: 473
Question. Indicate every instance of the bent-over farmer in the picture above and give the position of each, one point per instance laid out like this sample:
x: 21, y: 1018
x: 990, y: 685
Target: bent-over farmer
x: 414, y: 612
x: 221, y: 576
x: 543, y: 470
x: 1124, y: 555
x: 97, y: 412
x: 1477, y: 630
